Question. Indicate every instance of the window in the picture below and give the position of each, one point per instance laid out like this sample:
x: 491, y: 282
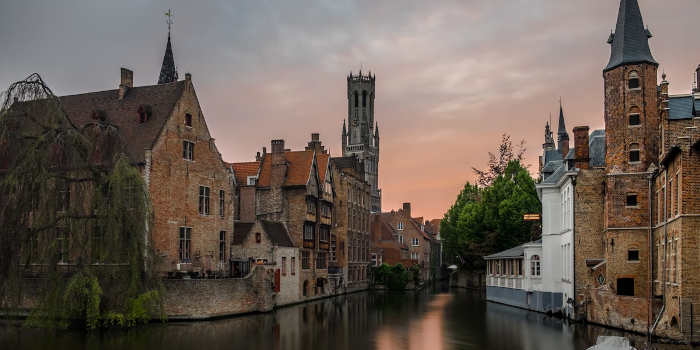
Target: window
x: 364, y: 98
x: 62, y: 245
x: 670, y: 194
x: 203, y: 200
x: 357, y: 99
x: 631, y: 200
x: 188, y: 150
x: 305, y: 260
x: 334, y: 246
x: 400, y: 227
x: 401, y: 239
x: 188, y: 120
x: 222, y: 246
x: 633, y: 255
x: 62, y: 196
x: 284, y: 266
x: 252, y: 180
x: 634, y: 153
x: 535, y: 265
x: 635, y: 119
x: 308, y: 231
x: 321, y: 260
x: 258, y: 237
x: 416, y: 242
x: 185, y: 239
x: 324, y: 233
x: 310, y: 207
x: 326, y: 210
x: 676, y: 207
x: 625, y: 286
x: 633, y: 80
x: 293, y: 266
x: 222, y: 202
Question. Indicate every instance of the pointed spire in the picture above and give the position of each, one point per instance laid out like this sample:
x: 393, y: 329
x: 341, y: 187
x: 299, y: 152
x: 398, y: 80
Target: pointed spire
x: 630, y: 42
x: 561, y: 132
x: 345, y: 130
x: 168, y: 74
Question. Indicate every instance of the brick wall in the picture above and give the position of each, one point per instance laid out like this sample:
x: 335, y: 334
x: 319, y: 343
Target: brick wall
x: 174, y: 190
x: 206, y: 298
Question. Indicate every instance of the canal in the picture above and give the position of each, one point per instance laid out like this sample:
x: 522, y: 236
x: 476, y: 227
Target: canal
x: 435, y: 319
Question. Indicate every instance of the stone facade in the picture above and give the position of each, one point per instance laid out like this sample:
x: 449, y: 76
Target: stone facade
x: 351, y: 230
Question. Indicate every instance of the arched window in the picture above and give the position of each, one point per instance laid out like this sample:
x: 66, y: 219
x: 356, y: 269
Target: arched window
x: 357, y: 99
x: 633, y: 81
x: 364, y: 98
x: 634, y: 153
x: 535, y: 265
x: 634, y: 118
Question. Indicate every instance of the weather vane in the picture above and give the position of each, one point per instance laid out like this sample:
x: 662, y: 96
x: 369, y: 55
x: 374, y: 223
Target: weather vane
x: 169, y: 21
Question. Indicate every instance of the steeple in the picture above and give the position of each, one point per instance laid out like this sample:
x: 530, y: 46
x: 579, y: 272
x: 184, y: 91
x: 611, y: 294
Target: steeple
x: 562, y: 135
x: 344, y: 136
x: 548, y: 138
x: 168, y: 74
x: 630, y: 42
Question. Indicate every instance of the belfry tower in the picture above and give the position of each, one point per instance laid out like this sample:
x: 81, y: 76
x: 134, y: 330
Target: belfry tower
x: 361, y: 136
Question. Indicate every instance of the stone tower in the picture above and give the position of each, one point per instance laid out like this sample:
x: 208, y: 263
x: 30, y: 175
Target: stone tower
x: 631, y: 141
x: 361, y: 137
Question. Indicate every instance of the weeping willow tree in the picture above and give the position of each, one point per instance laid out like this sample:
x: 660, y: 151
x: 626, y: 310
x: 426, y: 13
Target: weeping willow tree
x: 74, y: 217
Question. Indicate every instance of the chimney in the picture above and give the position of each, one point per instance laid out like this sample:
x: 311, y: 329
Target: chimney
x: 278, y: 171
x: 407, y: 209
x: 257, y: 157
x: 277, y: 146
x: 315, y: 144
x: 127, y: 82
x: 188, y: 81
x: 581, y: 150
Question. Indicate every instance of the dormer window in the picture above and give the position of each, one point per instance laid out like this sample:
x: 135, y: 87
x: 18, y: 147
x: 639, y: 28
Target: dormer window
x: 188, y: 120
x: 251, y: 180
x: 633, y: 81
x: 145, y: 113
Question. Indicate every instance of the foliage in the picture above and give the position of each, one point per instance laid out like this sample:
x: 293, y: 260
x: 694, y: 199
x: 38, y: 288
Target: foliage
x: 75, y: 213
x: 415, y: 274
x: 489, y: 218
x: 498, y: 163
x: 393, y: 277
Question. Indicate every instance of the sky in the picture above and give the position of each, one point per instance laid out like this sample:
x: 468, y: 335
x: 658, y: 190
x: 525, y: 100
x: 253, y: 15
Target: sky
x: 452, y: 76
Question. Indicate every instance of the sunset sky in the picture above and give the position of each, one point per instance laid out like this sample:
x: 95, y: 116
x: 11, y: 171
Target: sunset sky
x: 452, y: 76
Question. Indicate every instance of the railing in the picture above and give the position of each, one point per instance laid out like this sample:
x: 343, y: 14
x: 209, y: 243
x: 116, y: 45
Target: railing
x: 514, y: 282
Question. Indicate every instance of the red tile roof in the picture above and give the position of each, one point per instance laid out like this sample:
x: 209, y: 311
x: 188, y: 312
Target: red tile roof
x: 298, y: 168
x: 124, y: 113
x: 322, y: 160
x: 243, y: 170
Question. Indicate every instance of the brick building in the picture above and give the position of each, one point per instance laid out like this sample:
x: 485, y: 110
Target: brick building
x: 350, y: 241
x: 189, y: 185
x: 407, y: 230
x: 296, y: 188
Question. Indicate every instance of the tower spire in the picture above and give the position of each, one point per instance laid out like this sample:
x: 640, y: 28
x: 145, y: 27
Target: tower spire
x: 630, y: 41
x: 168, y: 73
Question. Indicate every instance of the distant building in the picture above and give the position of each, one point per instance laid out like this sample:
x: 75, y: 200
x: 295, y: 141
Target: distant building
x: 408, y: 232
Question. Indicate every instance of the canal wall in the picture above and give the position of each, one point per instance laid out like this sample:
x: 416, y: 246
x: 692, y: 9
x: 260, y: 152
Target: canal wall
x: 468, y: 279
x: 208, y: 298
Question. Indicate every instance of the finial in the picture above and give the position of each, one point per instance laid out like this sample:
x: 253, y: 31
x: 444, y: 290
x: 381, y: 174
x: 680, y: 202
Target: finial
x: 169, y: 21
x: 663, y: 75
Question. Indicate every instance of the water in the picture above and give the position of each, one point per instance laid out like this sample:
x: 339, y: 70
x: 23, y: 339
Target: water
x: 435, y: 319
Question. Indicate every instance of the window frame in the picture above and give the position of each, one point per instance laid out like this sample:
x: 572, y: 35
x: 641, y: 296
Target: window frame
x: 185, y: 245
x: 535, y: 266
x: 204, y: 200
x: 310, y: 235
x: 188, y: 120
x: 634, y: 76
x: 638, y: 117
x: 188, y: 150
x: 222, y: 246
x: 634, y: 148
x: 305, y: 260
x: 633, y: 255
x: 222, y: 203
x: 632, y: 195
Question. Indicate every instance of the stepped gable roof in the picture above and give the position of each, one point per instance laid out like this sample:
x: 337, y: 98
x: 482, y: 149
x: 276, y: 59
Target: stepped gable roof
x: 243, y: 170
x: 298, y: 168
x: 596, y: 147
x: 123, y: 113
x: 681, y: 107
x: 275, y: 231
x: 630, y: 42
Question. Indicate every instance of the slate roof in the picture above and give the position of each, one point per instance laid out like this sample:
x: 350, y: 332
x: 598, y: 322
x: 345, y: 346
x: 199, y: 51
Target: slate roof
x: 298, y: 168
x: 124, y: 113
x: 561, y: 133
x: 556, y: 175
x: 513, y: 253
x: 630, y: 42
x: 168, y: 74
x: 596, y: 148
x: 681, y: 107
x: 243, y: 170
x: 275, y: 231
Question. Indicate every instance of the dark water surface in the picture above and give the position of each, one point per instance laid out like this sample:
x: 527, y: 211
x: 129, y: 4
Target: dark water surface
x: 435, y: 319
